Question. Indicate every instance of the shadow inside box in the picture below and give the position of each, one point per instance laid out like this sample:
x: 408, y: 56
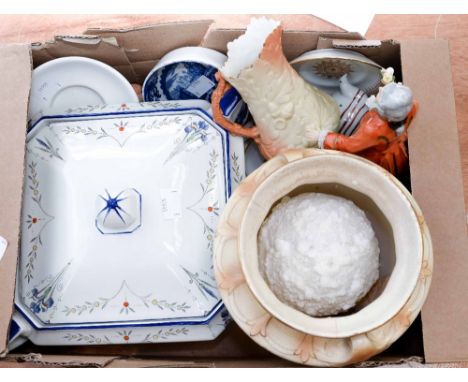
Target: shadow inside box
x: 409, y: 344
x: 232, y: 343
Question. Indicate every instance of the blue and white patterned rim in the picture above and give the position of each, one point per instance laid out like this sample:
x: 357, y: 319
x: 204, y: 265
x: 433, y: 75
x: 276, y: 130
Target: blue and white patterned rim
x: 204, y: 320
x: 200, y: 320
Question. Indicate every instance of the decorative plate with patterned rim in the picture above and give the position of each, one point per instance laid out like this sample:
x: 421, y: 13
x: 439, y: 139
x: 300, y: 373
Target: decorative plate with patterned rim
x: 323, y: 68
x: 120, y: 208
x: 277, y: 336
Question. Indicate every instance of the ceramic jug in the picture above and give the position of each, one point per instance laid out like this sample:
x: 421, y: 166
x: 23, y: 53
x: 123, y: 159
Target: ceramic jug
x: 288, y: 112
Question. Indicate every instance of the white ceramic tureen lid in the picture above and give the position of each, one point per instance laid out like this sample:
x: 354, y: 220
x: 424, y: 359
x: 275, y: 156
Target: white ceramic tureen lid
x: 120, y: 208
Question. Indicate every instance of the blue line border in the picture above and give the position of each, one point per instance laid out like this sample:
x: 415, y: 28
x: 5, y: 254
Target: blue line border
x: 217, y: 127
x: 227, y: 171
x: 130, y: 324
x: 123, y: 112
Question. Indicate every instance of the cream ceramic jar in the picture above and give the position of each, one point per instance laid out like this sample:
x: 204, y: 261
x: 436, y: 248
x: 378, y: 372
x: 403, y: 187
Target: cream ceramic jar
x: 405, y: 259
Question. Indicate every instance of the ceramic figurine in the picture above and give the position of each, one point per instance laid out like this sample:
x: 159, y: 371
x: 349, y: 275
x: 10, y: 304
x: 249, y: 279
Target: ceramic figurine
x: 289, y: 113
x: 352, y: 103
x: 376, y: 137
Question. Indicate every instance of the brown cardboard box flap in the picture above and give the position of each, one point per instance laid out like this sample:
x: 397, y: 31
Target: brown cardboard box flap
x: 125, y: 49
x: 48, y: 360
x: 294, y: 42
x: 15, y: 65
x: 38, y: 360
x: 152, y: 42
x: 437, y: 185
x: 103, y: 49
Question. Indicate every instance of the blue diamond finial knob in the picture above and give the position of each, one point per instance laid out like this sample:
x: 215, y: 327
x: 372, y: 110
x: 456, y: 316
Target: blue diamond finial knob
x: 118, y: 212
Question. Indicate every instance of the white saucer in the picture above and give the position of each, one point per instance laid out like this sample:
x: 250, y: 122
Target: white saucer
x: 70, y: 82
x: 323, y: 68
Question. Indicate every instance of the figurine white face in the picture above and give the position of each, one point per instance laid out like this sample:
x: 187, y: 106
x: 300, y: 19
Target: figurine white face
x: 394, y: 101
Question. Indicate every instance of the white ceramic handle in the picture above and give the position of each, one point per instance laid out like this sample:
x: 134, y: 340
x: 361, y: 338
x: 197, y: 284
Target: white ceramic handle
x: 19, y: 327
x: 20, y: 330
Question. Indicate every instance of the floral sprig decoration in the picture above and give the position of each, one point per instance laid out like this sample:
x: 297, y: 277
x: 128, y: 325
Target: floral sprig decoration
x: 388, y: 75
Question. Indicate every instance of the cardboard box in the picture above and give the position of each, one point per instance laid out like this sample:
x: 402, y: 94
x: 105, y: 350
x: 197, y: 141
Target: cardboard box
x: 436, y: 182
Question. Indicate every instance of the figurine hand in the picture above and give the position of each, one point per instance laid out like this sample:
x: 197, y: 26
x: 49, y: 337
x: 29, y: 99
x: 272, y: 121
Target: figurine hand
x: 321, y: 138
x: 312, y: 136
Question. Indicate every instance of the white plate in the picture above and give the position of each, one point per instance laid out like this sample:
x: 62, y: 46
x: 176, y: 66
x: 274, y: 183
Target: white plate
x: 324, y: 67
x: 69, y: 82
x: 119, y: 214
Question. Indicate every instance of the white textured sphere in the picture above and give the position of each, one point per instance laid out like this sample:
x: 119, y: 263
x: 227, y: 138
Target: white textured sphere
x: 318, y: 253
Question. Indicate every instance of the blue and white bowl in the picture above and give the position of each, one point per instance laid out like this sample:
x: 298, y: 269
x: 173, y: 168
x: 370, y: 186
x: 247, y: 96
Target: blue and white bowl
x: 189, y: 73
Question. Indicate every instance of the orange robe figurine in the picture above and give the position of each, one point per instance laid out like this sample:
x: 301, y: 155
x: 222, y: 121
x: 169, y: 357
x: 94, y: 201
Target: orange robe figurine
x: 376, y: 141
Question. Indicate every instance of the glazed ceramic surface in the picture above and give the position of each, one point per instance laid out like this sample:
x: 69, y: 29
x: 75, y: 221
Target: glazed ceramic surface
x: 288, y: 112
x: 120, y: 209
x: 323, y: 68
x: 352, y: 103
x: 60, y: 85
x: 406, y: 260
x: 189, y: 73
